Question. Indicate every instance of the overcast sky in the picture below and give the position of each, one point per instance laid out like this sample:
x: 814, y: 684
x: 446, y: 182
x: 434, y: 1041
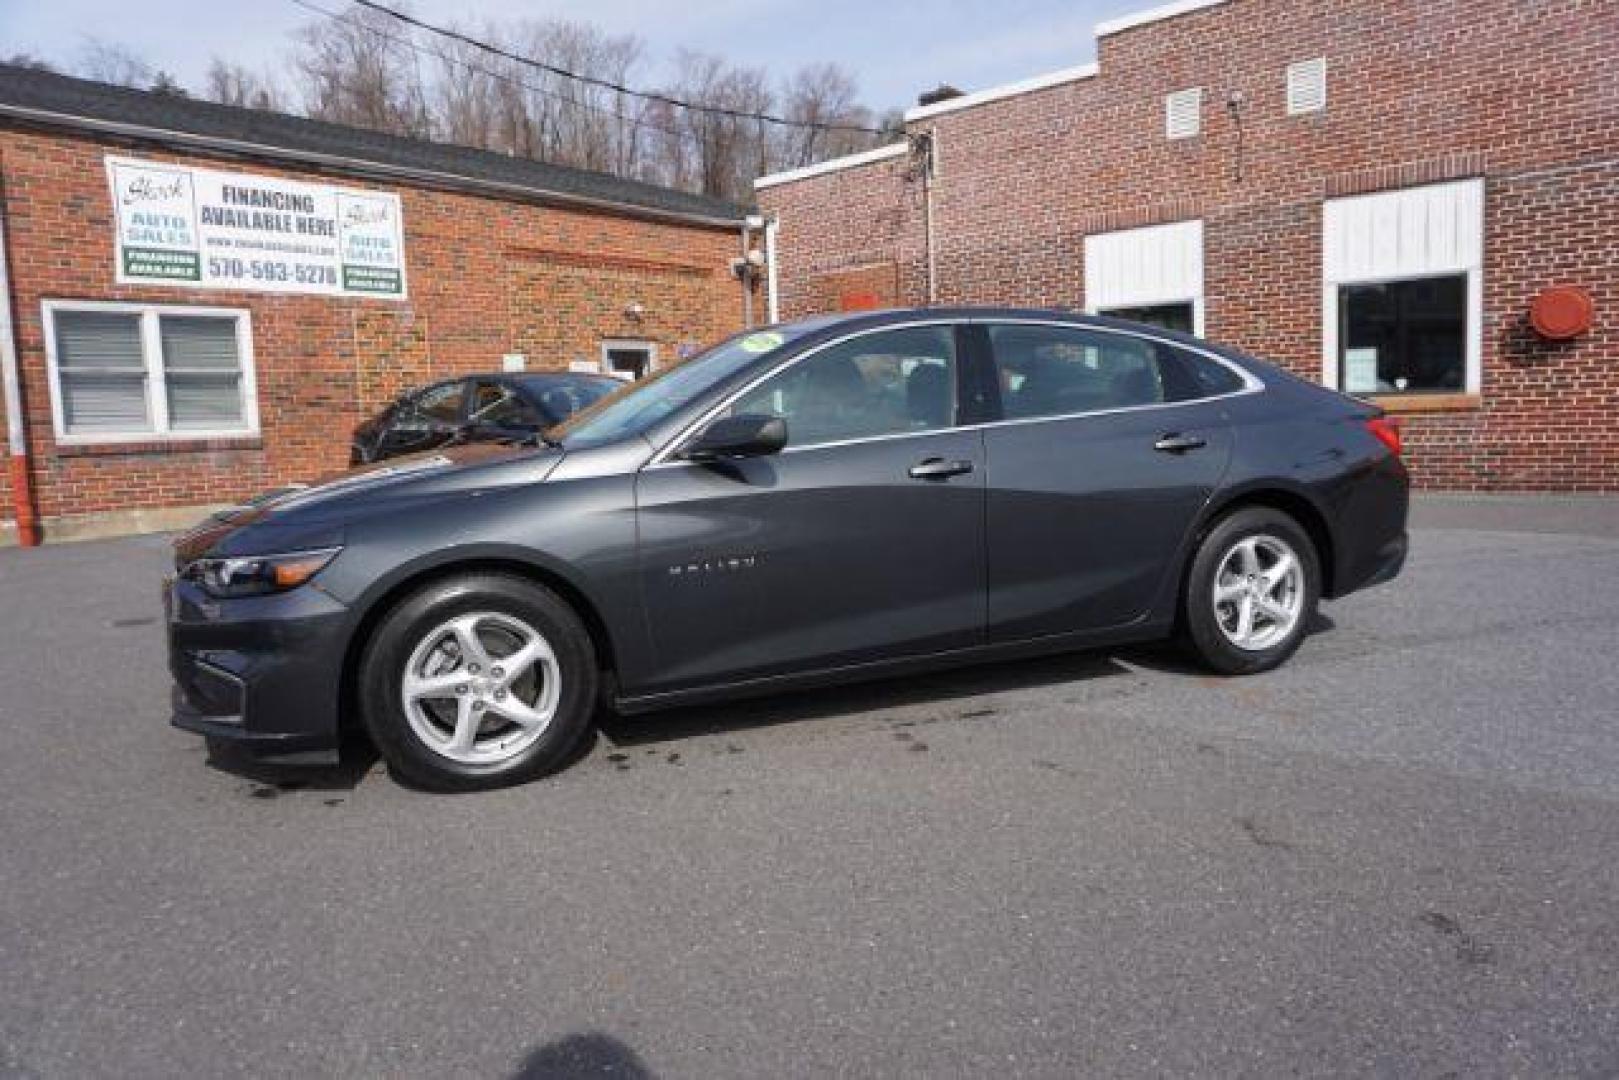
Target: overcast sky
x: 895, y: 47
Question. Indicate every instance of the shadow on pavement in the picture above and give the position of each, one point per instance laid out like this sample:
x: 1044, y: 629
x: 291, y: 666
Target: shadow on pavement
x: 356, y: 759
x: 586, y: 1054
x: 857, y: 698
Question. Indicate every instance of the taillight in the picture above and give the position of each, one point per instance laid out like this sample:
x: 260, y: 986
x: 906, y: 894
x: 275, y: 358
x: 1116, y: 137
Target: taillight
x: 1387, y: 432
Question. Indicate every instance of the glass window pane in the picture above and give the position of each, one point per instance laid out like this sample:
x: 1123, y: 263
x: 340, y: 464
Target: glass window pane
x: 1404, y: 336
x: 1059, y: 370
x: 202, y: 373
x: 1168, y: 316
x: 101, y: 373
x: 441, y: 403
x: 877, y: 384
x: 99, y: 403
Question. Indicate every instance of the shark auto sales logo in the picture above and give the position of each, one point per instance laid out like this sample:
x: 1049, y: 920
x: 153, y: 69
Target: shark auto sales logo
x: 141, y: 190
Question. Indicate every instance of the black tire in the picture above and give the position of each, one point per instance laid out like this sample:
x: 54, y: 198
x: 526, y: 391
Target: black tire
x: 1202, y: 630
x: 415, y: 619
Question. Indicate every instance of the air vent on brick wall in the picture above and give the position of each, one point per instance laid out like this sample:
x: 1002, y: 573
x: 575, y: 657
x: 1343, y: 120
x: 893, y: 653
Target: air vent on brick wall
x: 1307, y: 86
x: 1182, y: 113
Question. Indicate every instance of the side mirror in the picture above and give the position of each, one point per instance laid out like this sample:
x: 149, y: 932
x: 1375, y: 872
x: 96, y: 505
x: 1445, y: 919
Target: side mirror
x: 745, y: 436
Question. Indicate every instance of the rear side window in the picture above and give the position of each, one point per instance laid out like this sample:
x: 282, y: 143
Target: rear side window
x: 1197, y: 376
x: 1063, y: 370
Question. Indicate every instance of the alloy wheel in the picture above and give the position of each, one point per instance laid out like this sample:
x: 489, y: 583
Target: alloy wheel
x: 481, y: 688
x: 1258, y: 592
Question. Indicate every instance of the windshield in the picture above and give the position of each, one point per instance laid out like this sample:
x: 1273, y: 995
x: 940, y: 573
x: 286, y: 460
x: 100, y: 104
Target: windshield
x: 636, y: 407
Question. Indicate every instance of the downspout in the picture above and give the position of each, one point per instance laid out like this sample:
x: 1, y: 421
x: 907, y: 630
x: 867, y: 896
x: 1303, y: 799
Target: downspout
x: 772, y: 279
x: 744, y: 274
x: 21, y: 482
x: 926, y: 141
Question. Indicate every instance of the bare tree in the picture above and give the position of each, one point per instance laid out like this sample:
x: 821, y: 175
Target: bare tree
x: 29, y: 60
x: 233, y: 84
x: 107, y: 62
x: 359, y: 70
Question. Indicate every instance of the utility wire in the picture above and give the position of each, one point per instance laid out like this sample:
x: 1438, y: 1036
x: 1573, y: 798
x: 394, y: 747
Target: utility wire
x: 606, y: 84
x: 501, y: 76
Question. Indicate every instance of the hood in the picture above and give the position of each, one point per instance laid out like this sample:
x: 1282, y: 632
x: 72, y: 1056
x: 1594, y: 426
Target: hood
x: 302, y: 516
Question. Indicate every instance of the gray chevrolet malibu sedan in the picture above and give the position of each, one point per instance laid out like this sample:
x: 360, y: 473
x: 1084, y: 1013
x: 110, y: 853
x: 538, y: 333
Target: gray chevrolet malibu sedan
x: 819, y: 501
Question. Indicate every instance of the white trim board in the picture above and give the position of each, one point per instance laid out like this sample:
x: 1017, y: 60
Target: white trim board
x: 996, y: 93
x: 850, y: 161
x: 1152, y: 15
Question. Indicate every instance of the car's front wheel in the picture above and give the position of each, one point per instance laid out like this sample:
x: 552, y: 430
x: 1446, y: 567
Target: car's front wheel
x: 1251, y: 592
x: 478, y: 681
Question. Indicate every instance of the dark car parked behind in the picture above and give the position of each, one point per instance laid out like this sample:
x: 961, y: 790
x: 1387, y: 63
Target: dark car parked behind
x: 475, y: 408
x: 825, y: 500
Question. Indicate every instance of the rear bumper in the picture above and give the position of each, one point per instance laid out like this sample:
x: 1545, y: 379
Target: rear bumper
x: 264, y: 673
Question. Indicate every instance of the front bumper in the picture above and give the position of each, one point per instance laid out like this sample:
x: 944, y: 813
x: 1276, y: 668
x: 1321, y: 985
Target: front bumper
x: 263, y: 672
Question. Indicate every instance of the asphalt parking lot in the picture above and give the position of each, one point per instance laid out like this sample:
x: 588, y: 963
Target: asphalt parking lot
x: 1395, y: 856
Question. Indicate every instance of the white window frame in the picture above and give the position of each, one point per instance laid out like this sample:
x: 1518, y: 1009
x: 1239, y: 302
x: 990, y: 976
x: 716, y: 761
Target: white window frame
x: 1148, y: 297
x: 157, y: 398
x: 1470, y: 265
x: 648, y: 347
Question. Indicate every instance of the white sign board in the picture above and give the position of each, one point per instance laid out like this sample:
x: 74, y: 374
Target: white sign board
x: 1360, y: 371
x: 198, y: 228
x: 514, y: 361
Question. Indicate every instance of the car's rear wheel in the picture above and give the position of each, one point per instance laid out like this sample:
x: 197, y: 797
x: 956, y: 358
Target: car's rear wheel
x: 1251, y: 593
x: 478, y: 681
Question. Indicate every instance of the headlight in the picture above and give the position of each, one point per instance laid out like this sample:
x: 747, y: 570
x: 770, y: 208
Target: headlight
x: 256, y: 575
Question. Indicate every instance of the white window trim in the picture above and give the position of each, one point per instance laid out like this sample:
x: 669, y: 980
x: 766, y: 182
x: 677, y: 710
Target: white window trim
x: 1473, y: 376
x: 1468, y: 262
x: 1150, y: 298
x: 649, y: 347
x: 157, y: 402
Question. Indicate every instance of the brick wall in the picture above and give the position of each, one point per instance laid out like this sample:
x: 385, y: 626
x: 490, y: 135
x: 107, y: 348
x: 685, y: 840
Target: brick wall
x: 485, y: 276
x: 1524, y: 93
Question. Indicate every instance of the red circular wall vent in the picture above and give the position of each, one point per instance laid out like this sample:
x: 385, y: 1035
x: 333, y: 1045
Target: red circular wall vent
x: 1561, y: 312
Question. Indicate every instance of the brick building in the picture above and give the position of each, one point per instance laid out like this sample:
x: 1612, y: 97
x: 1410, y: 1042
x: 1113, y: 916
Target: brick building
x: 1373, y: 193
x: 200, y: 302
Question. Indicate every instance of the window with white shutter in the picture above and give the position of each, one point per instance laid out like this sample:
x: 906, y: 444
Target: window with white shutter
x: 133, y: 372
x: 1307, y: 86
x: 101, y: 373
x: 1183, y: 113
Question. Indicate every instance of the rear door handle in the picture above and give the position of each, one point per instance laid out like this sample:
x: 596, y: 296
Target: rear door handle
x: 939, y: 469
x: 1176, y: 443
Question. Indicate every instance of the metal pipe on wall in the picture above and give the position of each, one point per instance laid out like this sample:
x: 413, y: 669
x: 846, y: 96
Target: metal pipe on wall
x: 772, y: 279
x: 21, y: 481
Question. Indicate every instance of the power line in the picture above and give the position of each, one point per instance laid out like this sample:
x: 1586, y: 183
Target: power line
x: 606, y: 84
x: 501, y: 76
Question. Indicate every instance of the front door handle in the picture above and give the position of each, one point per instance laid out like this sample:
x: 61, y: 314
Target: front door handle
x: 1176, y: 443
x: 939, y: 469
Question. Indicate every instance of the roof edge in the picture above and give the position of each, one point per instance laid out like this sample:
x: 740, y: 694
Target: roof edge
x: 1152, y: 15
x: 1006, y: 90
x: 357, y: 166
x: 830, y: 165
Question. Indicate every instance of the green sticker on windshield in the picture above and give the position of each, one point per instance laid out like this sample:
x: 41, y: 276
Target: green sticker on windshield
x: 762, y: 342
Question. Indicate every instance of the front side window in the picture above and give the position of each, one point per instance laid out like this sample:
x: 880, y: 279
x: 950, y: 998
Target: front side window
x: 500, y: 405
x: 1063, y: 370
x: 442, y: 404
x: 128, y: 372
x: 1403, y: 337
x: 887, y: 383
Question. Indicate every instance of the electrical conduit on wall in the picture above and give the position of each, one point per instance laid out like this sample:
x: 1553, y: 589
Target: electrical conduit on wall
x: 19, y: 481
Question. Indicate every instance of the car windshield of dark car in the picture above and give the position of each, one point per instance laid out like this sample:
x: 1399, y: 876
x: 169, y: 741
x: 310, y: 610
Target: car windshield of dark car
x: 636, y: 407
x: 560, y: 397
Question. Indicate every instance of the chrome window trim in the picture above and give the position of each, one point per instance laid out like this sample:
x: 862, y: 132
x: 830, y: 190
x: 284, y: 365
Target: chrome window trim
x: 1252, y: 384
